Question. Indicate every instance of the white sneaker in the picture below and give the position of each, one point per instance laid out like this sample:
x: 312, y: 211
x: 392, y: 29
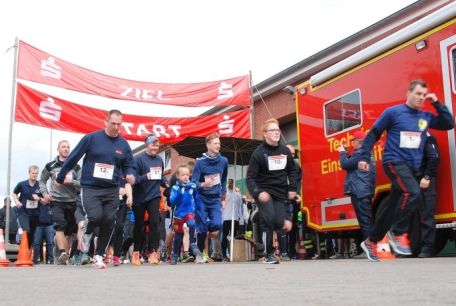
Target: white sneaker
x: 99, y: 264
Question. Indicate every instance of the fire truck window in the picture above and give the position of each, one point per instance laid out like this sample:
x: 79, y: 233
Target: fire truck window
x: 343, y: 113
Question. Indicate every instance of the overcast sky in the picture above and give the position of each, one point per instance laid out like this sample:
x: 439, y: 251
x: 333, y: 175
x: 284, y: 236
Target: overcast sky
x: 167, y: 42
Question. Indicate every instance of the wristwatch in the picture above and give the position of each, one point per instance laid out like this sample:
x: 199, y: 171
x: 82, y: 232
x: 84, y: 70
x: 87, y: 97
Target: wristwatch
x: 427, y: 177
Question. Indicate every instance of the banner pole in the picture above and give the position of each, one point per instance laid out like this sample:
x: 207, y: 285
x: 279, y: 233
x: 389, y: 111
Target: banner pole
x: 10, y: 140
x: 252, y: 105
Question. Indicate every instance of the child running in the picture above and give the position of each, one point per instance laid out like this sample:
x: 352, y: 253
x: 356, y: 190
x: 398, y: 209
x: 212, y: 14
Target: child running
x: 182, y: 199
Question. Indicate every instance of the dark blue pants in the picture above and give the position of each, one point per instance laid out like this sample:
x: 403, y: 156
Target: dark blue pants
x: 427, y: 212
x: 362, y: 208
x: 47, y: 233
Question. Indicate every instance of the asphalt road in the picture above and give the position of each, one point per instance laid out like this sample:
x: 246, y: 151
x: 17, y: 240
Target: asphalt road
x: 311, y: 282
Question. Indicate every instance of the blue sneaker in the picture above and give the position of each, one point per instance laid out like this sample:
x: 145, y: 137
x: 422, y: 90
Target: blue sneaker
x: 370, y: 249
x: 270, y: 259
x: 174, y: 260
x: 399, y: 243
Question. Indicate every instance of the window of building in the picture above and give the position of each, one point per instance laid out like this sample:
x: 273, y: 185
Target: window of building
x: 342, y: 113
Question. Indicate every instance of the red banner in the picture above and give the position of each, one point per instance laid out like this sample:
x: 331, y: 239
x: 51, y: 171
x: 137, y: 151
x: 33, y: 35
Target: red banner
x: 37, y: 108
x: 38, y: 66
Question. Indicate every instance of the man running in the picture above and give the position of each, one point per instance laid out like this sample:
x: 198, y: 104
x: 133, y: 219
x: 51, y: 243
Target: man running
x: 406, y: 126
x: 62, y: 200
x: 107, y: 156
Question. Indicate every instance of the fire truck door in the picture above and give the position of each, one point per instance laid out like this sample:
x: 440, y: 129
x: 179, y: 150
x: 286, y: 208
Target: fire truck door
x: 448, y: 58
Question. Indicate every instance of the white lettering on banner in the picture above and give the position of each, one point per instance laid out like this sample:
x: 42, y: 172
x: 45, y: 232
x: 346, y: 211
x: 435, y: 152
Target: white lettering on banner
x: 50, y: 69
x: 49, y: 110
x: 170, y: 131
x: 227, y: 126
x: 225, y: 91
x: 144, y: 94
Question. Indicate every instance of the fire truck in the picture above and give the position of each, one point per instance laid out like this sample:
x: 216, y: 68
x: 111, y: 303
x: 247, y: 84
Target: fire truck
x: 350, y: 95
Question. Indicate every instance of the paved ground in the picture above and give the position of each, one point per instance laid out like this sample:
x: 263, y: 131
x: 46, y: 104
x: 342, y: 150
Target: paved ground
x: 319, y: 282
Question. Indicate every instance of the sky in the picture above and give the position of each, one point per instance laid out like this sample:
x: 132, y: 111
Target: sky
x: 165, y: 42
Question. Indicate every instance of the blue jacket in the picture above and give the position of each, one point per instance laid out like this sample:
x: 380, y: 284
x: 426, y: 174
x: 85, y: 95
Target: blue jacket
x: 98, y: 147
x: 207, y: 166
x: 357, y: 183
x: 146, y: 190
x: 183, y: 199
x: 400, y: 121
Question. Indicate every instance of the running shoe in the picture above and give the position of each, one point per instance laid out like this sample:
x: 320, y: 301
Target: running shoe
x: 284, y: 257
x: 205, y: 257
x: 199, y: 259
x: 135, y: 260
x: 399, y: 243
x: 99, y: 263
x: 153, y: 258
x: 63, y: 259
x: 174, y: 260
x: 270, y: 259
x: 85, y: 259
x: 115, y: 260
x: 187, y: 257
x: 76, y: 259
x: 370, y: 248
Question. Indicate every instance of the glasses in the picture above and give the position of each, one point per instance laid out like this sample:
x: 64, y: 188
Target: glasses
x: 273, y: 130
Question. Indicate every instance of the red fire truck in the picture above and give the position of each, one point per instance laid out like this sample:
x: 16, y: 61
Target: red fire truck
x: 350, y: 96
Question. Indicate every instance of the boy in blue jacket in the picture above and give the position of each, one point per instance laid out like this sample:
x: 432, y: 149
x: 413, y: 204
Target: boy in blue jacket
x: 182, y: 199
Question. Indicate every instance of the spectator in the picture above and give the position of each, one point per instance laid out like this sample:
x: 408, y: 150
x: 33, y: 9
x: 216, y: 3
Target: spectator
x: 428, y: 187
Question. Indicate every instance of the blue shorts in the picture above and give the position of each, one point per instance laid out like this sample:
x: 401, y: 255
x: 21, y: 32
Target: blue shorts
x: 208, y: 216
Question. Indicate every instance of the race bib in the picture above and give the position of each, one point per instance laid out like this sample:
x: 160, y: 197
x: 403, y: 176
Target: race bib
x: 410, y: 140
x: 155, y: 173
x: 213, y: 179
x: 31, y: 204
x: 103, y: 171
x: 277, y: 162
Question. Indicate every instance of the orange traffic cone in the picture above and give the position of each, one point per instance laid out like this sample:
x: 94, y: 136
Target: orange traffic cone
x: 4, y: 262
x: 24, y: 258
x: 383, y: 250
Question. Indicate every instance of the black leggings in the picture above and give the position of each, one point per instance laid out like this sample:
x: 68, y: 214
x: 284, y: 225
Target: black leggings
x: 119, y: 230
x: 152, y: 208
x: 272, y: 216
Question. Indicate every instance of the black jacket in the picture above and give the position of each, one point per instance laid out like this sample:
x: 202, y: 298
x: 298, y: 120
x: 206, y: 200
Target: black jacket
x: 276, y: 182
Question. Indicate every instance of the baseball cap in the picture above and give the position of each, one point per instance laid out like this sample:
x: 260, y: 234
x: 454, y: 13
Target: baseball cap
x: 358, y: 135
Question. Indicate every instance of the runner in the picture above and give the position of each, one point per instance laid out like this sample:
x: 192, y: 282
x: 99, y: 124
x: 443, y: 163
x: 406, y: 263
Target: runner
x: 210, y: 175
x: 271, y: 179
x: 107, y: 156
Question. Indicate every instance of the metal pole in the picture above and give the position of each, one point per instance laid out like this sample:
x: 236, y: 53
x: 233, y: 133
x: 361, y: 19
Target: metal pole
x: 233, y: 206
x: 252, y: 105
x: 50, y: 145
x: 10, y: 140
